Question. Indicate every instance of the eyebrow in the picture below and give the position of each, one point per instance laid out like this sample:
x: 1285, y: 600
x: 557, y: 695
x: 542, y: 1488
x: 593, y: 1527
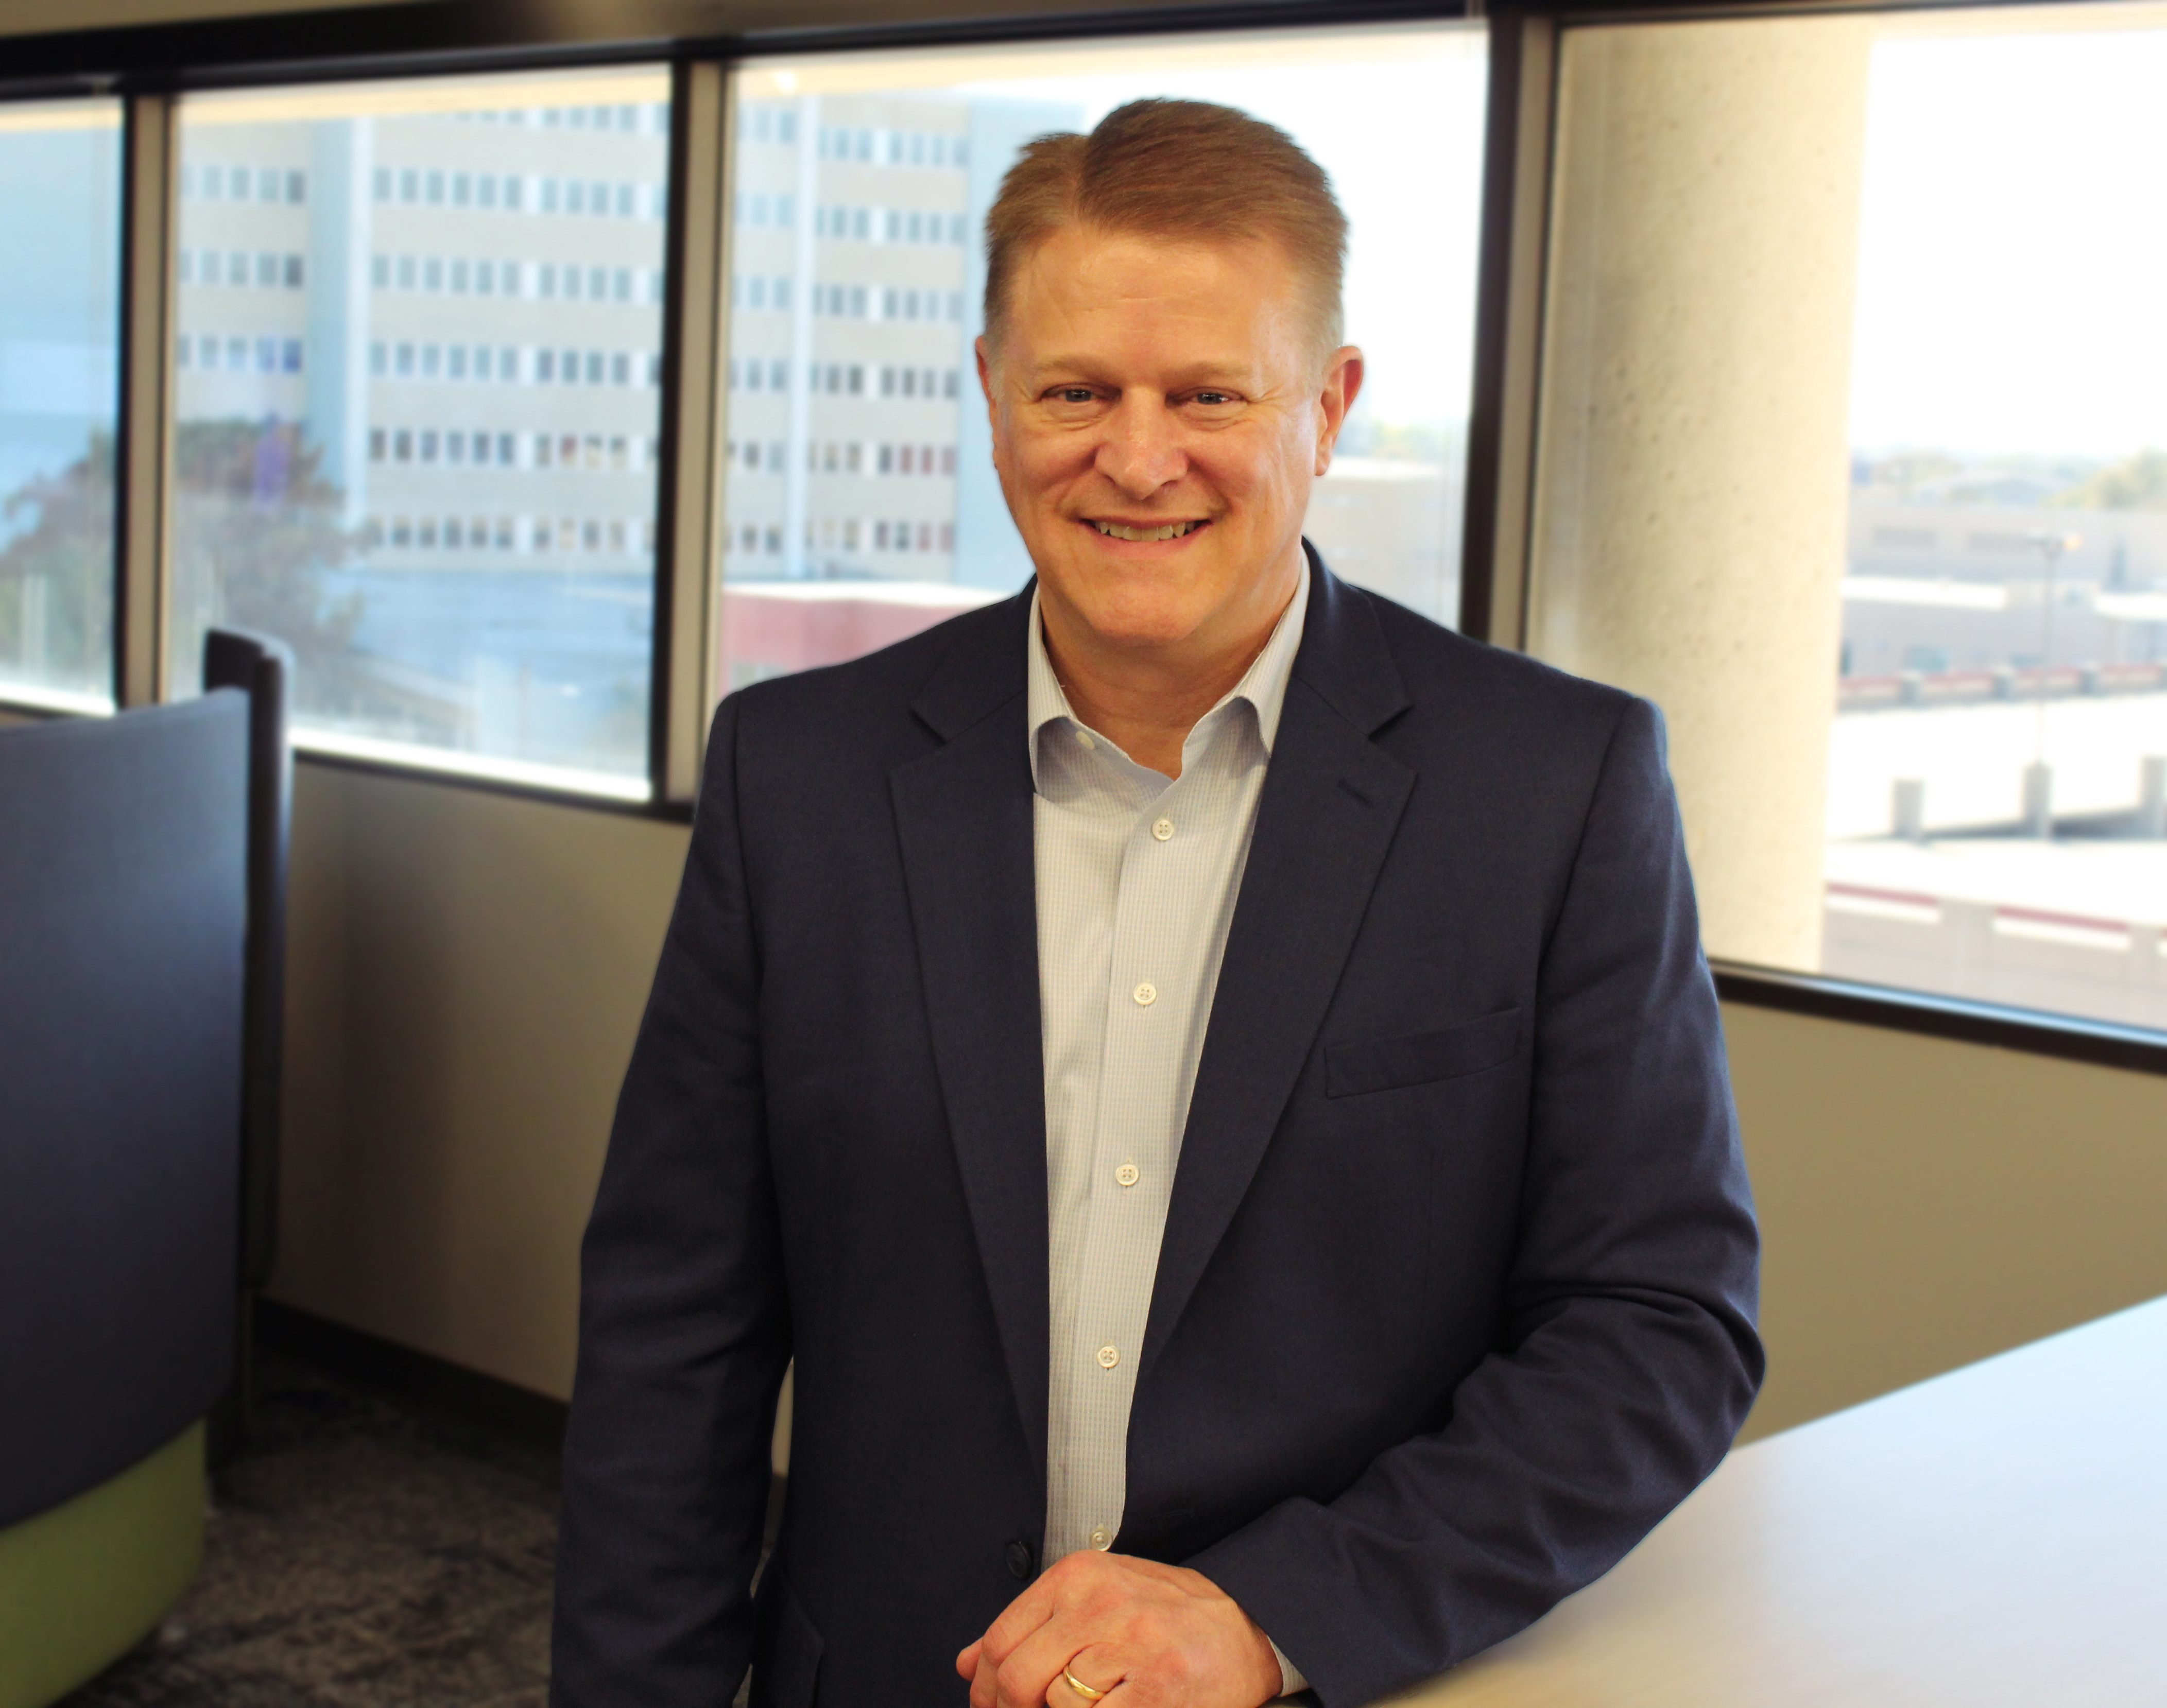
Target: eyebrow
x: 1227, y: 374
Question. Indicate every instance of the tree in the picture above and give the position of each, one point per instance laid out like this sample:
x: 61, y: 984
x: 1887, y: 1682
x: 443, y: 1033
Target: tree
x: 56, y: 575
x: 255, y: 526
x: 2136, y: 482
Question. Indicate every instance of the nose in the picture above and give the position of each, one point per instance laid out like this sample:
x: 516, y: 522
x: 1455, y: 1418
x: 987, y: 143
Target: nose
x: 1141, y: 451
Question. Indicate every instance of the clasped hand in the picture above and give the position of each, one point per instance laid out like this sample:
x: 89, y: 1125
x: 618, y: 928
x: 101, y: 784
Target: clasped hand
x: 1149, y: 1636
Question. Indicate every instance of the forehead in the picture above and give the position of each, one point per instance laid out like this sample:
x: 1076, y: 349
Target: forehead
x: 1123, y: 287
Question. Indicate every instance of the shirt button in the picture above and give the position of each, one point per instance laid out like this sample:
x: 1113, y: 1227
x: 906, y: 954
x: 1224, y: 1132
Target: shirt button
x: 1146, y: 994
x: 1109, y: 1356
x: 1101, y: 1540
x: 1128, y: 1174
x: 1083, y: 740
x: 1163, y: 829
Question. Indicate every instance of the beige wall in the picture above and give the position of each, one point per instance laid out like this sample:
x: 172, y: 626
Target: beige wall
x: 1926, y: 1203
x: 468, y: 969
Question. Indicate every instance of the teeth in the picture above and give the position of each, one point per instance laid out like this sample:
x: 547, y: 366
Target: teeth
x: 1172, y: 530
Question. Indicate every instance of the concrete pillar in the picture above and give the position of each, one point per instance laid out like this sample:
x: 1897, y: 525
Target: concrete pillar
x: 1908, y: 809
x: 1967, y: 949
x: 1694, y: 442
x: 2038, y: 799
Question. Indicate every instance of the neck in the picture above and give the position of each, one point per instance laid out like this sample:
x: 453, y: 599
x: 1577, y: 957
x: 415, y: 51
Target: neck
x: 1146, y: 699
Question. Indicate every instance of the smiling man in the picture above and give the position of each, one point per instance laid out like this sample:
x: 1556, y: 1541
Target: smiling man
x: 1211, y: 1076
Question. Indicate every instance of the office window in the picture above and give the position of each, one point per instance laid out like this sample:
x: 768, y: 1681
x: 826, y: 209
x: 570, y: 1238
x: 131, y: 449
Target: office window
x: 1996, y: 827
x: 875, y: 350
x: 349, y: 484
x: 1912, y: 638
x: 60, y: 203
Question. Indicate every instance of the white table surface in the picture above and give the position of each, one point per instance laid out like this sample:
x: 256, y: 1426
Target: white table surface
x: 1996, y: 1535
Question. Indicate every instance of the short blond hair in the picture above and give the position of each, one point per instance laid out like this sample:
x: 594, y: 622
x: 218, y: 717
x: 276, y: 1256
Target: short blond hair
x: 1173, y: 169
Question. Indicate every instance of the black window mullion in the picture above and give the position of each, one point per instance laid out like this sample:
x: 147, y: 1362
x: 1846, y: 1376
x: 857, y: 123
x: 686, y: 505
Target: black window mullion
x: 688, y: 494
x: 141, y: 433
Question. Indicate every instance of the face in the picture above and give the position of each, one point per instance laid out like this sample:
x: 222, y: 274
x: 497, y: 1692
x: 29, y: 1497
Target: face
x: 1159, y: 413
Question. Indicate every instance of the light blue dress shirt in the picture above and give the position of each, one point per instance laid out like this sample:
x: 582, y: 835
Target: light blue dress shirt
x: 1136, y: 877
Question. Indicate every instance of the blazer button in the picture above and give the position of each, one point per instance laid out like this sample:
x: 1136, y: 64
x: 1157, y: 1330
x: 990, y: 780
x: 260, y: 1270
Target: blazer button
x: 1019, y: 1558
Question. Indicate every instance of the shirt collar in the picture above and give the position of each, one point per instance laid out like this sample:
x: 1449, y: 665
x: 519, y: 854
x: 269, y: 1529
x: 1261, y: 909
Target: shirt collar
x: 1264, y: 685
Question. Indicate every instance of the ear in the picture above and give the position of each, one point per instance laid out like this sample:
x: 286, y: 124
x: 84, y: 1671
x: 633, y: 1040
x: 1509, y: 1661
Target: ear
x: 1343, y: 384
x: 986, y: 387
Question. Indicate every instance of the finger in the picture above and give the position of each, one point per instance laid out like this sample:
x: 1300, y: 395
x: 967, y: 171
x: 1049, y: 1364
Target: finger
x: 1062, y: 1695
x: 1029, y: 1611
x: 1026, y: 1614
x: 985, y: 1681
x: 966, y: 1663
x: 1031, y: 1677
x: 1099, y: 1665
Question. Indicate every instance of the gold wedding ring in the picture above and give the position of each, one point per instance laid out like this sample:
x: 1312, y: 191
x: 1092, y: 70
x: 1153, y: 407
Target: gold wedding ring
x: 1081, y: 1689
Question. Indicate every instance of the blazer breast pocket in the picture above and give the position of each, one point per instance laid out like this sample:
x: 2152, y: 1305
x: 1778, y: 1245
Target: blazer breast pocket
x: 1451, y: 1052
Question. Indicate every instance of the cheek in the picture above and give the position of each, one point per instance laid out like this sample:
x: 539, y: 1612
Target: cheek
x: 1045, y: 462
x: 1259, y: 478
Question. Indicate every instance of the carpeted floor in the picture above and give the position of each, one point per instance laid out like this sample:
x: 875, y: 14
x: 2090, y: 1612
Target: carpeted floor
x: 360, y: 1555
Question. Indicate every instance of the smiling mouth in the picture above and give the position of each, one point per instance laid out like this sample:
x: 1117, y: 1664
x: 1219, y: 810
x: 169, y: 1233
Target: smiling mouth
x: 1122, y: 531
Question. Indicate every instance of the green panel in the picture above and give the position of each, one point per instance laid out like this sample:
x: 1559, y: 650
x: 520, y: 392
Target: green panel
x: 79, y: 1586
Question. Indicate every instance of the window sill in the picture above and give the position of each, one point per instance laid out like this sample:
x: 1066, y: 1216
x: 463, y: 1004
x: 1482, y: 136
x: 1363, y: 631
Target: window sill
x: 19, y: 700
x: 2101, y: 1043
x: 537, y: 783
x: 558, y: 787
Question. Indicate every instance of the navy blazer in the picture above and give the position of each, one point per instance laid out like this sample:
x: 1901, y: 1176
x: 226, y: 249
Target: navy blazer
x: 1456, y: 1298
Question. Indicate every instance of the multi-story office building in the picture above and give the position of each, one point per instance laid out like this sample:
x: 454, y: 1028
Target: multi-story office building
x: 447, y: 302
x: 445, y: 328
x: 859, y: 447
x: 418, y: 364
x: 451, y: 320
x: 857, y: 442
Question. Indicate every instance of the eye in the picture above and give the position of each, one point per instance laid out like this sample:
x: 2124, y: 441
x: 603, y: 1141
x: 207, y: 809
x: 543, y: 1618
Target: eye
x: 1072, y: 394
x: 1215, y: 397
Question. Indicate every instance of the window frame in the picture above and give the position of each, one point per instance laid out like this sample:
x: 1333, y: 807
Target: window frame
x: 1503, y: 438
x: 150, y: 64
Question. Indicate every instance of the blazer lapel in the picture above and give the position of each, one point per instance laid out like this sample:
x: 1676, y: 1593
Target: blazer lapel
x: 1331, y: 801
x: 963, y: 817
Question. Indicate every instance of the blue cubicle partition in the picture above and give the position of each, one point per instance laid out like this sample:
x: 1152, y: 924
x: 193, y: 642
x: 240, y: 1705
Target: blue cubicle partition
x: 124, y: 919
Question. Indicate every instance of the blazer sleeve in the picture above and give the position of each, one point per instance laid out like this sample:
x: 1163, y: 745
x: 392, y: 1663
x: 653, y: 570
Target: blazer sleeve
x: 683, y: 1321
x: 1627, y: 1358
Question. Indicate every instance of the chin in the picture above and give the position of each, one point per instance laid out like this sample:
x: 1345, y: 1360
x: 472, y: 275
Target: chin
x: 1147, y: 635
x: 1135, y: 618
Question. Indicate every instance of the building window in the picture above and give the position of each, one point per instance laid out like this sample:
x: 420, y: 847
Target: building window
x: 276, y: 524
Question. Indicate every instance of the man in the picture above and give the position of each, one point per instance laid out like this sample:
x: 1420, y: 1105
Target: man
x: 1211, y: 1076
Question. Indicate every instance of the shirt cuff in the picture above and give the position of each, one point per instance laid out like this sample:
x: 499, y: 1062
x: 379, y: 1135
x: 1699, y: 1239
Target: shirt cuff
x: 1290, y: 1678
